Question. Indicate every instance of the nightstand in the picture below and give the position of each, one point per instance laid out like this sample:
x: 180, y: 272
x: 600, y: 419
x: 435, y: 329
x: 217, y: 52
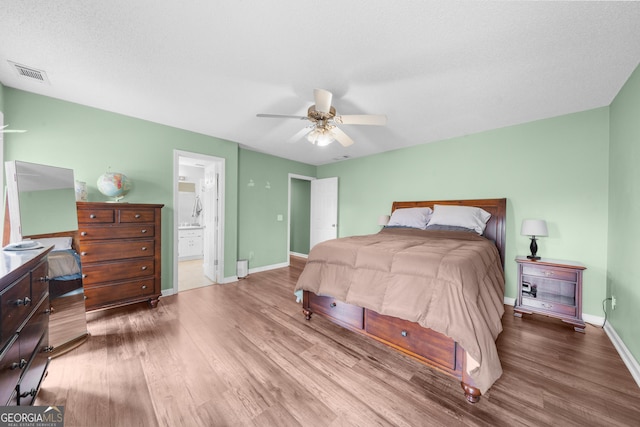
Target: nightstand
x: 552, y: 288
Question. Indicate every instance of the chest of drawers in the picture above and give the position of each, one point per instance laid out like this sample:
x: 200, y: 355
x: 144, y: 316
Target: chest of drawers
x: 120, y: 253
x: 24, y: 314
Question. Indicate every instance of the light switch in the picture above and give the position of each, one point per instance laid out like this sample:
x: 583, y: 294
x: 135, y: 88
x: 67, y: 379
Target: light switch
x: 280, y: 218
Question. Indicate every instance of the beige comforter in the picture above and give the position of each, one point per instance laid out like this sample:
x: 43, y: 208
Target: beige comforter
x: 451, y: 282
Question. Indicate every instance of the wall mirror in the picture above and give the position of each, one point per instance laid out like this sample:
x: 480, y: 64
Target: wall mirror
x: 41, y: 199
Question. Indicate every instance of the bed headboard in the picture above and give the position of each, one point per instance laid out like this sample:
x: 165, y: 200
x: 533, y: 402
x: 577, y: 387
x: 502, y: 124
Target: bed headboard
x: 73, y: 234
x: 496, y: 226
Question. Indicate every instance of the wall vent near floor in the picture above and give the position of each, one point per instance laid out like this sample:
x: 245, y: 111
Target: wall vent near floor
x: 30, y: 73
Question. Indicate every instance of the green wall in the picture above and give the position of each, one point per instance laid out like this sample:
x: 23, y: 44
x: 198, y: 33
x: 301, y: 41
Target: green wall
x: 300, y: 216
x: 554, y: 169
x: 90, y: 141
x: 624, y: 213
x: 262, y: 239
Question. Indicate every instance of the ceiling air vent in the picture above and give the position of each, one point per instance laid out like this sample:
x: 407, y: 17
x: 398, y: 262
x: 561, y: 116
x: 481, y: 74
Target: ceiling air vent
x: 30, y: 73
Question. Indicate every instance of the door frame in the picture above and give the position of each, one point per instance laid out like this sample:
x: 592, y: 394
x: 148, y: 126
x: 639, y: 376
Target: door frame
x: 220, y: 162
x: 292, y: 176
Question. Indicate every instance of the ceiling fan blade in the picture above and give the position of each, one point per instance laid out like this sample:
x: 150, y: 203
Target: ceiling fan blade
x: 301, y: 134
x: 322, y: 99
x: 362, y: 119
x: 341, y: 137
x: 282, y: 116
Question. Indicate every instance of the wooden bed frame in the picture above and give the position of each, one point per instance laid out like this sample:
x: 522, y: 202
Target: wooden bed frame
x: 429, y: 347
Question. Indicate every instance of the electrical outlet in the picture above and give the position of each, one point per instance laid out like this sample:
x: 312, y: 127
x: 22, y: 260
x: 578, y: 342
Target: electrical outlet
x: 613, y: 302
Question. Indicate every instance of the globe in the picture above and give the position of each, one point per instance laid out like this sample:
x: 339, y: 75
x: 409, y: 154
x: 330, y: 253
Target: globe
x: 114, y: 184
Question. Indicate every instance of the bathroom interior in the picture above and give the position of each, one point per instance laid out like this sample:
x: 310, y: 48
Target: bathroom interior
x: 191, y: 229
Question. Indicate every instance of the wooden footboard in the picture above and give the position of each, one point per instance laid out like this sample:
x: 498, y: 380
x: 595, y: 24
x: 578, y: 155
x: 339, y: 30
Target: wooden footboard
x: 425, y: 345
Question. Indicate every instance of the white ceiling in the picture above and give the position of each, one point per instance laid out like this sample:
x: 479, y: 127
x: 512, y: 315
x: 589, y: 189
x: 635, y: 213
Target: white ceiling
x: 437, y: 69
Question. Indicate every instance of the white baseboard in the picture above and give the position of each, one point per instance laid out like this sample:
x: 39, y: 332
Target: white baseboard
x: 268, y: 267
x: 299, y: 255
x: 229, y: 279
x: 628, y: 359
x: 167, y: 292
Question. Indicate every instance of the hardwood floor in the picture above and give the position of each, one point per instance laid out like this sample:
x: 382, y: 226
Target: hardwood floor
x: 241, y: 354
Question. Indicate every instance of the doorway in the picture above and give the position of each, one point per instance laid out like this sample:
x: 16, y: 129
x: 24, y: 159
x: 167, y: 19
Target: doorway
x: 322, y: 212
x: 198, y: 220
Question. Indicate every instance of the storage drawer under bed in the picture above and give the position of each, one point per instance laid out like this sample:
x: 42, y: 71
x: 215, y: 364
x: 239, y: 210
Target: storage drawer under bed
x: 342, y: 312
x: 424, y: 342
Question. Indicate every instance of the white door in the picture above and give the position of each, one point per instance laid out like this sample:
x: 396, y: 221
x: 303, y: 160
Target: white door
x: 324, y: 210
x: 210, y: 217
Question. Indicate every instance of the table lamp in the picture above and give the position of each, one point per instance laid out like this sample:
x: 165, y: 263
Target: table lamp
x: 533, y: 228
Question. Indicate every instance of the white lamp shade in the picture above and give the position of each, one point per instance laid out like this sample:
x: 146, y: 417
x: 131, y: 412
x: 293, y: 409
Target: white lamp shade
x: 534, y: 227
x: 383, y: 220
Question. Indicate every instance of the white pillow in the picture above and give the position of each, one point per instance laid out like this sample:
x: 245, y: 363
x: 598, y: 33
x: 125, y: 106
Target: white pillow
x: 410, y: 217
x: 60, y: 243
x: 460, y: 216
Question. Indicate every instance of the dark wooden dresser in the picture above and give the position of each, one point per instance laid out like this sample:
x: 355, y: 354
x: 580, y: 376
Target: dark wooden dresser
x: 120, y: 253
x: 24, y: 334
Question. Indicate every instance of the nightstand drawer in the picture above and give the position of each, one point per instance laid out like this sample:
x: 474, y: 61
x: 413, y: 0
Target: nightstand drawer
x: 550, y: 273
x: 551, y: 307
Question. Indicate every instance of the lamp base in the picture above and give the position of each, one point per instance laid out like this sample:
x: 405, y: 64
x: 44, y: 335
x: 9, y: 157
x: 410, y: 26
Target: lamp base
x: 532, y: 257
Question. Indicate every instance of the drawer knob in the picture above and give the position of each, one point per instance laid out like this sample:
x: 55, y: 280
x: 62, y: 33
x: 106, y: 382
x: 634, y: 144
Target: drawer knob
x: 47, y: 311
x: 92, y: 216
x: 84, y: 276
x: 48, y: 349
x: 83, y: 253
x: 404, y: 333
x: 31, y: 393
x: 84, y: 233
x: 144, y: 267
x: 333, y: 304
x: 143, y: 231
x: 24, y: 301
x: 548, y: 273
x: 144, y: 248
x: 44, y: 279
x: 16, y: 365
x: 545, y: 305
x: 137, y: 216
x: 144, y: 286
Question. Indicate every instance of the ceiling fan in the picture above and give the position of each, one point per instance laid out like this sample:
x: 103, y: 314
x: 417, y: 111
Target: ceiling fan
x: 323, y: 129
x: 4, y: 129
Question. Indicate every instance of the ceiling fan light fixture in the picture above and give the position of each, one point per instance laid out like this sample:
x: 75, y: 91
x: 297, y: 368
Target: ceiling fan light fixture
x: 320, y: 136
x: 324, y: 139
